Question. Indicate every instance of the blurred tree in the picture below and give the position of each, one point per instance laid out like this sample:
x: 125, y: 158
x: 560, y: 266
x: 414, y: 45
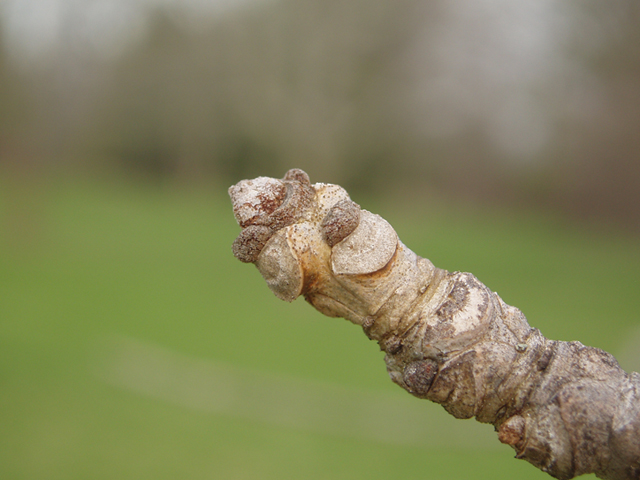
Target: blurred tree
x: 483, y: 100
x: 599, y: 174
x: 282, y: 84
x: 13, y: 108
x: 20, y: 186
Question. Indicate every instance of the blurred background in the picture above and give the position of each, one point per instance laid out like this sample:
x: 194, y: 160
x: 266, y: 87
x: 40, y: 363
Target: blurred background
x: 497, y: 137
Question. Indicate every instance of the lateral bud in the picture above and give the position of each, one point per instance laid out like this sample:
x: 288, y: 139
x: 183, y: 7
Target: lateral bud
x: 250, y: 242
x: 418, y: 376
x: 340, y: 222
x: 511, y: 431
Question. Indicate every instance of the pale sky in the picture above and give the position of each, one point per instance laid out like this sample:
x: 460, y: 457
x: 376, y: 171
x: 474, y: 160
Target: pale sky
x: 31, y: 27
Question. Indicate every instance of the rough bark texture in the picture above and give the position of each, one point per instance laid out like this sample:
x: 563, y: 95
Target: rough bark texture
x: 566, y: 408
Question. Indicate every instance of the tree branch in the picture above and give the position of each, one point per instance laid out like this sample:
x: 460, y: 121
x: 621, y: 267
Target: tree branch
x: 566, y: 408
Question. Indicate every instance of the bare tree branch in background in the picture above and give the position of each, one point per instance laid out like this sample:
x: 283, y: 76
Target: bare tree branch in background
x: 601, y: 145
x: 262, y: 88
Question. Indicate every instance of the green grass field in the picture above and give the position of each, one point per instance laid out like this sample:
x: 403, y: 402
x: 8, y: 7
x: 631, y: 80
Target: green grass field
x: 134, y: 346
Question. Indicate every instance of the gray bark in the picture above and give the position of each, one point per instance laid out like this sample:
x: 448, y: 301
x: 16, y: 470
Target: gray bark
x: 566, y: 408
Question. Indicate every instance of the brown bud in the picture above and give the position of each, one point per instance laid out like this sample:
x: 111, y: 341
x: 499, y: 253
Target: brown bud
x: 299, y: 197
x: 341, y: 221
x: 255, y: 200
x: 418, y: 376
x: 297, y: 175
x: 511, y: 431
x: 248, y: 245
